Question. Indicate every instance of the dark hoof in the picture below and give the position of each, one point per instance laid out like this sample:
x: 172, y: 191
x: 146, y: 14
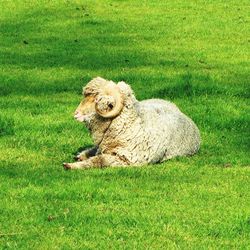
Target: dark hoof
x: 66, y: 166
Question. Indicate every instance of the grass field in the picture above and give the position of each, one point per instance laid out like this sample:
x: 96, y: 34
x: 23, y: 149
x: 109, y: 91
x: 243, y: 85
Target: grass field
x: 194, y: 53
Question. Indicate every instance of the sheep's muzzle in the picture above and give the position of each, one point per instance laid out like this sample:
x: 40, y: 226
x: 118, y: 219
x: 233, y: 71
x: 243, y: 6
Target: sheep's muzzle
x: 85, y: 109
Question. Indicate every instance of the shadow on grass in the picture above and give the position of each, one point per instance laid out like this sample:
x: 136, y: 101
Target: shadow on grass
x: 189, y: 85
x: 7, y: 126
x: 80, y: 149
x: 100, y: 45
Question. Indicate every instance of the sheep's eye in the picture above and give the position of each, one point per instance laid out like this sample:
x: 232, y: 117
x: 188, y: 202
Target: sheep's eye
x: 86, y: 94
x: 110, y: 105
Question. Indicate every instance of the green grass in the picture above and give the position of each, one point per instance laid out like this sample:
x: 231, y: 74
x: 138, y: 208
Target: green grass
x: 194, y: 53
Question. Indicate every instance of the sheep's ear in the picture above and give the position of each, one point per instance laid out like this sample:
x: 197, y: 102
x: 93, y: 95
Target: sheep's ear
x: 125, y: 88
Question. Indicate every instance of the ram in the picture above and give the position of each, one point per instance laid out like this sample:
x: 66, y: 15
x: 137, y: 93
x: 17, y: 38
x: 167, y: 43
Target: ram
x: 127, y: 132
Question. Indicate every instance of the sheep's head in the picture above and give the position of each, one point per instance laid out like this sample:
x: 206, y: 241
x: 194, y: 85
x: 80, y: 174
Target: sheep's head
x: 101, y: 97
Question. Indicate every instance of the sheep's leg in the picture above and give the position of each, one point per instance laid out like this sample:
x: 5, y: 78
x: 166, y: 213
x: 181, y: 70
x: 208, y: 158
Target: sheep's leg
x: 85, y: 154
x: 98, y: 161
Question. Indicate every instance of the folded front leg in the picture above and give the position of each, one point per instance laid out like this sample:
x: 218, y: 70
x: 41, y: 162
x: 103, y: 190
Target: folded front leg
x: 85, y: 154
x: 98, y: 161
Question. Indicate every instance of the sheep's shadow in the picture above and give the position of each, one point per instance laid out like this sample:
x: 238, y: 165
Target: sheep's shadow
x: 82, y: 148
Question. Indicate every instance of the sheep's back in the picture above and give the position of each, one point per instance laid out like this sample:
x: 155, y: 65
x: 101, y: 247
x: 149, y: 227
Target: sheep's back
x: 159, y: 106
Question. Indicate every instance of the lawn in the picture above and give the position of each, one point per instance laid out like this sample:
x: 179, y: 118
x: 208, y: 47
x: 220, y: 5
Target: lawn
x: 194, y: 53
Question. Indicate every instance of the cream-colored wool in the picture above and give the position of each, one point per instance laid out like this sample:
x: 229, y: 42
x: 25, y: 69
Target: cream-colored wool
x: 128, y: 132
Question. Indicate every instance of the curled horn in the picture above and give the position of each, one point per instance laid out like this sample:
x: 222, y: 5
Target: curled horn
x: 109, y: 102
